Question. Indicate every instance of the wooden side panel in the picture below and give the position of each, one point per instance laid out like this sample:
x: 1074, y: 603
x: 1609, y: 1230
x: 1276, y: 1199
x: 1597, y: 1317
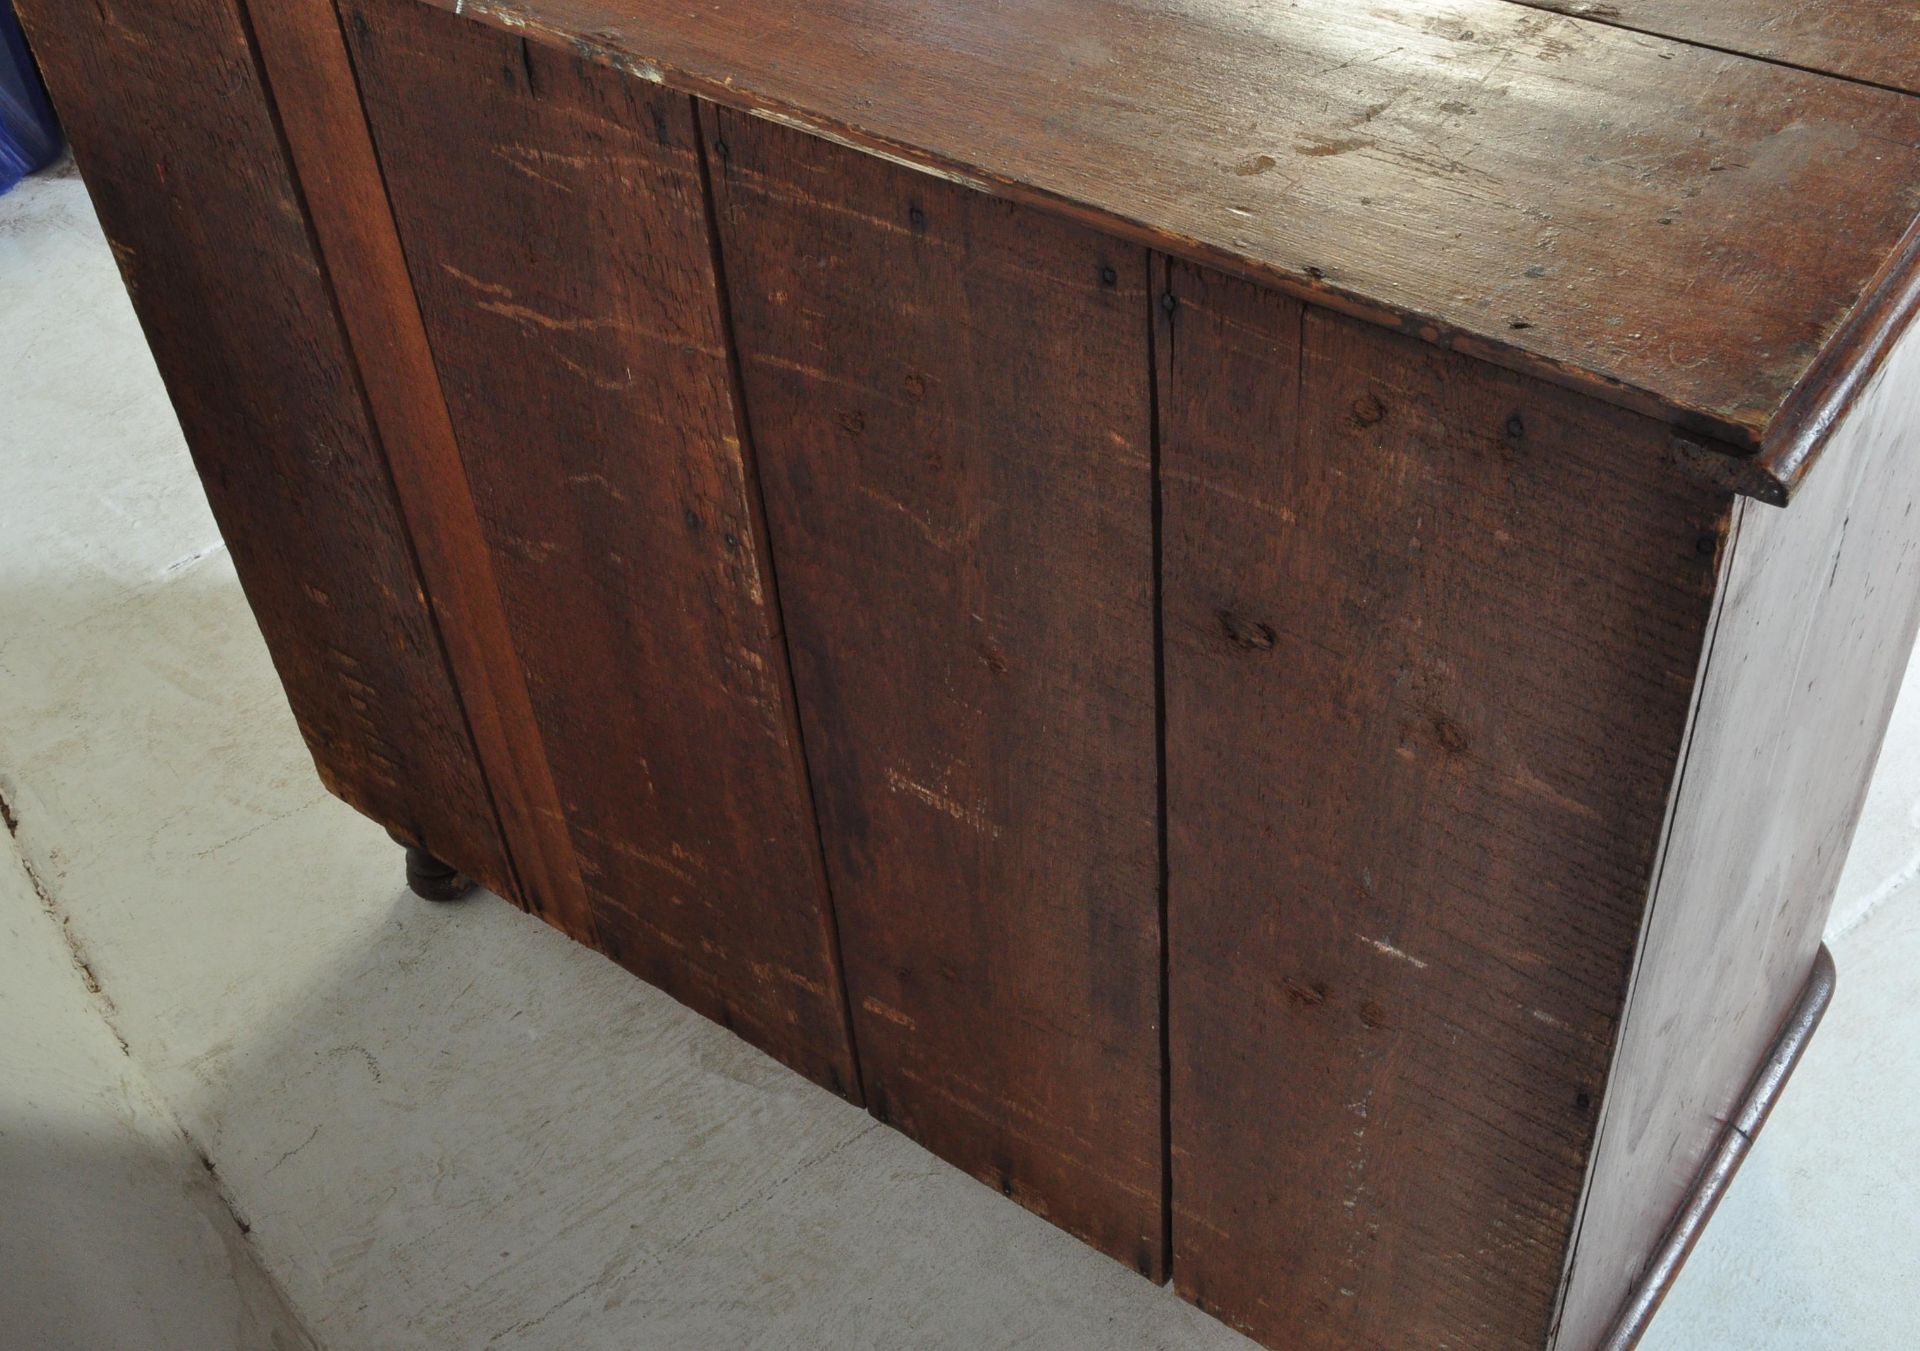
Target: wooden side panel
x: 1431, y: 633
x: 553, y: 218
x: 164, y: 104
x: 1820, y: 609
x: 949, y: 396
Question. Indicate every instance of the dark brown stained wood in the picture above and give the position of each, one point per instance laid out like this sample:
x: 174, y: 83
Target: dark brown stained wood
x: 1873, y: 41
x: 949, y: 399
x: 553, y: 217
x: 1820, y: 609
x: 163, y: 103
x: 313, y: 87
x: 1669, y: 228
x: 1429, y: 651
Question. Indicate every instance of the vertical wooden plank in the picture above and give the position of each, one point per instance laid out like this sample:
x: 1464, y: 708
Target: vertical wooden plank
x: 553, y: 217
x: 168, y: 116
x: 949, y: 396
x: 311, y: 80
x: 1429, y: 652
x: 1821, y: 602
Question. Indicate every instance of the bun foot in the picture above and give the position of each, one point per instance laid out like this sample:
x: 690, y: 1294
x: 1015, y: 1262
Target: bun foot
x: 432, y: 880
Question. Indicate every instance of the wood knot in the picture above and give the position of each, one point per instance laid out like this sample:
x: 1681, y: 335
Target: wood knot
x: 1248, y: 634
x: 1372, y: 1015
x: 916, y: 386
x: 1451, y: 736
x: 1368, y: 411
x: 1305, y: 996
x: 853, y: 422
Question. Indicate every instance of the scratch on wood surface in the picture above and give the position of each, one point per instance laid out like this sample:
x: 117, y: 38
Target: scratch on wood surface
x: 768, y: 972
x: 943, y: 540
x: 1188, y: 1215
x: 522, y: 314
x: 651, y: 858
x: 1525, y: 778
x: 979, y: 1100
x: 597, y: 481
x: 783, y: 190
x: 939, y: 801
x: 1285, y: 515
x: 887, y: 1011
x: 537, y: 155
x: 1387, y: 949
x: 533, y: 550
x: 491, y: 288
x: 870, y: 147
x: 521, y: 165
x: 801, y: 368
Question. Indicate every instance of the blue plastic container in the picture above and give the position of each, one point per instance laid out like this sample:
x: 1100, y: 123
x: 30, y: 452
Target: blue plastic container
x: 29, y: 135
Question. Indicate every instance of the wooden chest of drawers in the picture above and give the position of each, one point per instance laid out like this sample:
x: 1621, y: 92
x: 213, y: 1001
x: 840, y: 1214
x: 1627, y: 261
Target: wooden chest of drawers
x: 1263, y: 624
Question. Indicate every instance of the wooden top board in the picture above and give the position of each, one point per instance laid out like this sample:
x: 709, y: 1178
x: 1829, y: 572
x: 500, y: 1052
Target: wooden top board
x: 1872, y: 41
x: 1719, y: 241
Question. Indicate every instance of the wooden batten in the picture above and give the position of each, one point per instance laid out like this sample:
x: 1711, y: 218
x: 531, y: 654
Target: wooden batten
x: 311, y: 80
x: 197, y: 195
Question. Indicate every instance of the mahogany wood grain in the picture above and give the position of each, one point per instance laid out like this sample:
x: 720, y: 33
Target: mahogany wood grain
x: 1429, y: 649
x: 312, y: 84
x: 164, y: 105
x: 1673, y: 229
x: 553, y: 215
x: 1820, y: 609
x: 949, y: 395
x: 1871, y: 41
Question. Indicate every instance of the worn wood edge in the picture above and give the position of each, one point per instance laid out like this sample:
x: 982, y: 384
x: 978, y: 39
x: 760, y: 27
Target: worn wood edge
x: 1842, y: 371
x: 1729, y: 548
x: 1724, y: 438
x: 1736, y: 1142
x: 1744, y: 474
x: 1159, y: 378
x: 386, y: 340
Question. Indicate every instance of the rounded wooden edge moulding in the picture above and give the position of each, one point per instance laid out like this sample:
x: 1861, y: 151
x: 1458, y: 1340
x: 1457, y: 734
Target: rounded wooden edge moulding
x: 1636, y: 1314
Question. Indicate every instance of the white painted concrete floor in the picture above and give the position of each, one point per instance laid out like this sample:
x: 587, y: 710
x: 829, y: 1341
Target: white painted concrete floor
x: 252, y: 1094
